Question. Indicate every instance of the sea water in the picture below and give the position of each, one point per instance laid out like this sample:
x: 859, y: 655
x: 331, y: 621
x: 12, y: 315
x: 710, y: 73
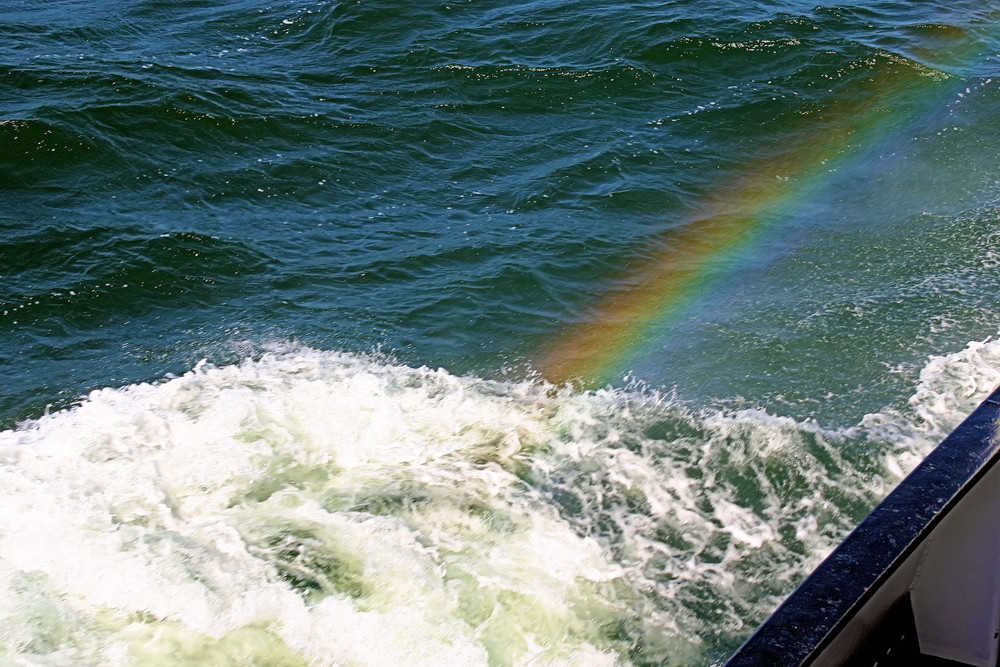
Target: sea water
x: 278, y: 282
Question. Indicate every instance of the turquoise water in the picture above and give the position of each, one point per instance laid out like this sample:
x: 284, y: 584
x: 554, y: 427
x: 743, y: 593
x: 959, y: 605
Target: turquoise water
x: 275, y: 279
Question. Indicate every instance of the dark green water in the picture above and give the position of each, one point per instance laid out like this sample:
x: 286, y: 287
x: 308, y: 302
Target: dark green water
x: 325, y: 200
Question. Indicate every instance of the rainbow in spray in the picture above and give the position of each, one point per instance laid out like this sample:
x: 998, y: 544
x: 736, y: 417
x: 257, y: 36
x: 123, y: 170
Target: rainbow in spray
x: 727, y: 229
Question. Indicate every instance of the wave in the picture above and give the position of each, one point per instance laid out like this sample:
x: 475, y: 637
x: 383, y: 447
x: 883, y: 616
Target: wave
x: 115, y: 272
x: 317, y: 507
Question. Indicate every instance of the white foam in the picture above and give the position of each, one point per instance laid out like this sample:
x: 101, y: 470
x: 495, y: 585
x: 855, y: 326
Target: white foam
x: 949, y: 388
x: 321, y: 508
x: 381, y: 491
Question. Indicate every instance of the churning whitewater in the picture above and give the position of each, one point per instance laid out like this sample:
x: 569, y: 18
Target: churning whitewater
x: 310, y: 507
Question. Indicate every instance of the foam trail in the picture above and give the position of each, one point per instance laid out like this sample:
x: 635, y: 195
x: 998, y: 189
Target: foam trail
x: 320, y: 508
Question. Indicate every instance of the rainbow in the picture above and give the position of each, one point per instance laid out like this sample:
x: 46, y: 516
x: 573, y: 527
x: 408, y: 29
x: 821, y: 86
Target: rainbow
x: 726, y: 230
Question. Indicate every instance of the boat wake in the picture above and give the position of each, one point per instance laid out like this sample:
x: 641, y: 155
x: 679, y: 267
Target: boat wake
x: 311, y: 507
